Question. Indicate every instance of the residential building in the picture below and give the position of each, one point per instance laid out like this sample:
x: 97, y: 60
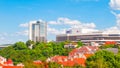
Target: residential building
x: 77, y: 56
x: 83, y: 52
x: 4, y: 63
x: 38, y: 31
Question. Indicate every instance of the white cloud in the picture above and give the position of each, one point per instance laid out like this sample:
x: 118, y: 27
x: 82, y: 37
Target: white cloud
x: 115, y: 4
x: 85, y: 25
x: 89, y: 27
x: 55, y: 31
x: 72, y: 23
x: 2, y: 38
x: 20, y: 39
x: 3, y: 34
x: 24, y: 25
x: 113, y: 29
x: 53, y: 22
x: 117, y: 18
x: 5, y: 38
x: 63, y: 21
x: 68, y: 21
x: 89, y: 30
x: 23, y: 33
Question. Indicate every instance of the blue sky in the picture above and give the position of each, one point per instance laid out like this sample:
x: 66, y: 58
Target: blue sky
x: 16, y: 14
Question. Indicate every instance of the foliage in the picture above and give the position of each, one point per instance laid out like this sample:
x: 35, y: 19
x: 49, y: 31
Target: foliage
x: 54, y: 65
x: 108, y: 46
x: 19, y: 46
x: 19, y: 52
x: 29, y: 42
x: 103, y: 59
x: 79, y: 44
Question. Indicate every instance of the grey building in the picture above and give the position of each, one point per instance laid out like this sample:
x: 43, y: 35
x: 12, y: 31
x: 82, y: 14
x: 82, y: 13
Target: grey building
x: 38, y: 31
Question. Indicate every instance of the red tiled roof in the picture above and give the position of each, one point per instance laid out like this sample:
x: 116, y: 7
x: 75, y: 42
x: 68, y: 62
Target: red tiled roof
x: 59, y: 58
x: 80, y: 61
x: 12, y: 67
x: 9, y: 61
x: 84, y: 49
x: 37, y: 62
x: 110, y: 42
x: 1, y: 64
x: 73, y: 51
x: 93, y: 47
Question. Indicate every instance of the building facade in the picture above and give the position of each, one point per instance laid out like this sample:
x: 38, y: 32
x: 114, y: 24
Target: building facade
x: 38, y: 31
x: 98, y: 37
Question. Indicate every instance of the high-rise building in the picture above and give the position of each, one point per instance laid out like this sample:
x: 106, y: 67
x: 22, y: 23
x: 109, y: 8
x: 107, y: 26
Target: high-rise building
x: 38, y: 31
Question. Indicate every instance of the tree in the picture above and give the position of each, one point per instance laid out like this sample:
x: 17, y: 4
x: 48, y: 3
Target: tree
x: 101, y: 59
x: 117, y: 62
x: 109, y: 44
x: 54, y: 65
x: 19, y: 46
x: 6, y: 52
x: 30, y: 43
x: 79, y: 44
x: 20, y: 53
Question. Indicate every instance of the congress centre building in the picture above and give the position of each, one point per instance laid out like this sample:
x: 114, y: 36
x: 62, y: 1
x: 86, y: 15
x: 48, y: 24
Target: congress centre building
x: 97, y: 36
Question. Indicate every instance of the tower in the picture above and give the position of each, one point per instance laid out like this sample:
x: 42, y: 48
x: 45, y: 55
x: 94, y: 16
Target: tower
x: 38, y: 31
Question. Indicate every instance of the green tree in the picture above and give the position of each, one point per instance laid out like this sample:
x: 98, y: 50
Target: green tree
x: 101, y: 59
x: 19, y: 52
x: 54, y: 65
x: 19, y: 46
x: 117, y: 62
x: 79, y: 44
x: 6, y: 52
x: 108, y: 46
x: 29, y: 43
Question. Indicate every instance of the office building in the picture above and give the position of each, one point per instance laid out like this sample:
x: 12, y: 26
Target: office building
x: 87, y: 38
x: 38, y: 31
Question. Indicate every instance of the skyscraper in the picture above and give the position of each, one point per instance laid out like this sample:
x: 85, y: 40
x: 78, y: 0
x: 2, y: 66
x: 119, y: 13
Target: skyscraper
x: 38, y: 31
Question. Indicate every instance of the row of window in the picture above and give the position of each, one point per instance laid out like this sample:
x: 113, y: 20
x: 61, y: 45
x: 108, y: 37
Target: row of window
x: 75, y: 38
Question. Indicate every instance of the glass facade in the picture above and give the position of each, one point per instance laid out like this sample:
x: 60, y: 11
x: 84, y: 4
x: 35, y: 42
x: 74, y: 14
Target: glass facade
x: 38, y: 31
x: 100, y: 38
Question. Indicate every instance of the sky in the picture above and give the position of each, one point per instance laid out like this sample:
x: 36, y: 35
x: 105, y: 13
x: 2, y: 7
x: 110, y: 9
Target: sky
x: 60, y: 16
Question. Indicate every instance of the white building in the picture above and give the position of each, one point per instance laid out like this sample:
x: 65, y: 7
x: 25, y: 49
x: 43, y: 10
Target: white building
x: 38, y: 31
x: 87, y: 37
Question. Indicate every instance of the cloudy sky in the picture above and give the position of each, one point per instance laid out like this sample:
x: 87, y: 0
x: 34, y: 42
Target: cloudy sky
x: 59, y: 14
